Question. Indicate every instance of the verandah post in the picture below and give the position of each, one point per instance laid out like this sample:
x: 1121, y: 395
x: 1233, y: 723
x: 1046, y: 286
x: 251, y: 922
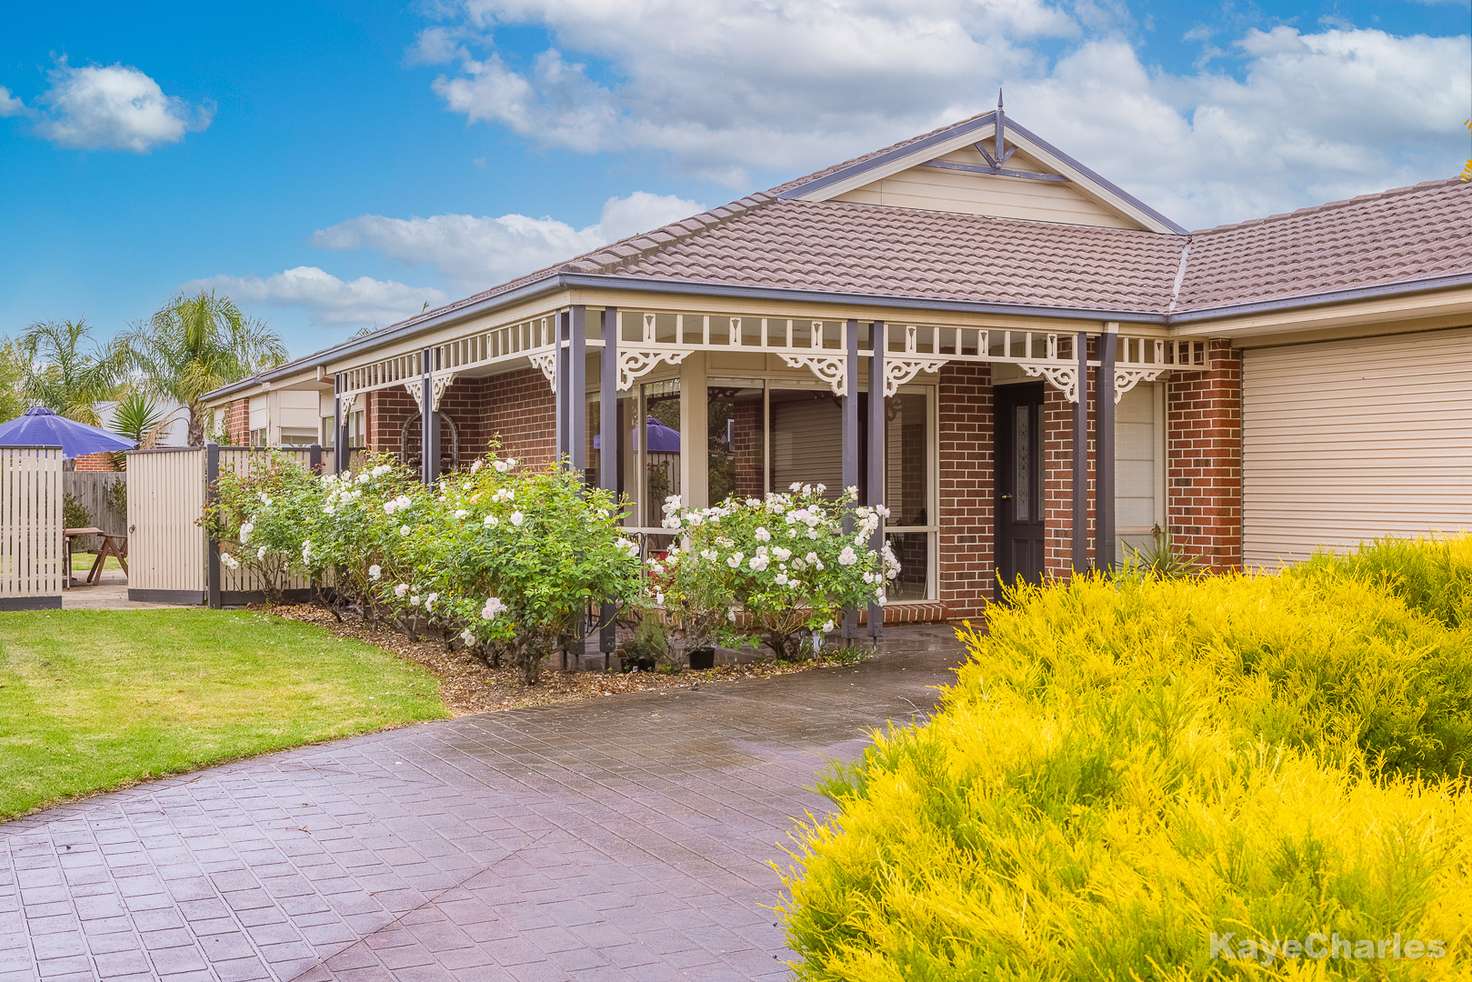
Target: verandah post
x: 1104, y: 448
x: 559, y: 384
x: 429, y: 432
x: 874, y: 492
x: 576, y: 400
x: 851, y: 440
x: 339, y: 428
x: 1080, y: 546
x: 610, y: 467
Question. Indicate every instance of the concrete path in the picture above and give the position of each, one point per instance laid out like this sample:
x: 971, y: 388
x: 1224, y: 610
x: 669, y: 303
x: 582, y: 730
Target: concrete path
x: 624, y: 839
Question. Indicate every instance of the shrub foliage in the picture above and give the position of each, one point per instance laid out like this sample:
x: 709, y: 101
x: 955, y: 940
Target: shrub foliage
x: 1127, y: 771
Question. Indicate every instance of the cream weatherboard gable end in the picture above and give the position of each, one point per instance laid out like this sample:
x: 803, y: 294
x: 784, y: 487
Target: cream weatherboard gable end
x: 1255, y: 390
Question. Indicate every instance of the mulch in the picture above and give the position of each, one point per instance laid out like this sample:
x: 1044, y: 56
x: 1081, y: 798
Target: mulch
x: 468, y: 685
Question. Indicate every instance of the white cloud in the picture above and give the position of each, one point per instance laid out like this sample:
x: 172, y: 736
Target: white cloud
x: 10, y: 105
x: 727, y: 85
x: 114, y: 107
x: 326, y: 298
x: 1312, y: 117
x: 1268, y: 120
x: 477, y: 252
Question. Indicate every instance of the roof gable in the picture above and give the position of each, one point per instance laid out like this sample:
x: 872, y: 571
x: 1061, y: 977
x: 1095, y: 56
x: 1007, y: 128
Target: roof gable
x: 1020, y: 163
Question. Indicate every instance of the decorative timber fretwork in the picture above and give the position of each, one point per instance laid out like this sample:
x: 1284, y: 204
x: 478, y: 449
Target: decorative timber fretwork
x: 902, y: 368
x: 1062, y: 377
x: 1127, y: 378
x: 547, y: 362
x: 347, y: 402
x: 415, y: 387
x: 831, y: 368
x: 639, y: 358
x: 438, y: 387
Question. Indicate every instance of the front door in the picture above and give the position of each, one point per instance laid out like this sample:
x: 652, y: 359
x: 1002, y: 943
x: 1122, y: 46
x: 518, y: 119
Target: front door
x: 1019, y: 482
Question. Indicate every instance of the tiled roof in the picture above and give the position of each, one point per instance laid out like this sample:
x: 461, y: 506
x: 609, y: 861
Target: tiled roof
x: 842, y: 247
x: 1400, y: 236
x: 1397, y: 236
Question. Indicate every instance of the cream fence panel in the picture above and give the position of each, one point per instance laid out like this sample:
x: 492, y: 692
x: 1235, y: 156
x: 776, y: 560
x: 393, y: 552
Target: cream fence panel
x: 30, y: 528
x: 166, y: 543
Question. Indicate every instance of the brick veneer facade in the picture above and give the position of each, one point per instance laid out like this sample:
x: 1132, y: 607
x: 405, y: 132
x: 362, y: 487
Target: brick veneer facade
x: 1204, y: 458
x: 965, y: 415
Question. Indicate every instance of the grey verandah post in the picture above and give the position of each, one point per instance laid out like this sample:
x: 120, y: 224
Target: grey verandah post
x: 576, y: 401
x: 339, y: 429
x: 874, y: 492
x: 429, y: 439
x: 559, y: 384
x: 1080, y: 546
x: 850, y: 440
x: 1104, y: 451
x: 610, y: 467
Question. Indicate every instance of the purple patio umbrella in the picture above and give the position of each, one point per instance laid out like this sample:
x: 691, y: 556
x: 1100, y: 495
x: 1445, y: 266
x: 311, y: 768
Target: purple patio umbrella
x: 40, y: 427
x: 658, y: 438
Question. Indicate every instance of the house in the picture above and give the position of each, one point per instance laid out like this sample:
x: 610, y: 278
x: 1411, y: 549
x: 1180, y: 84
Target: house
x: 1031, y: 368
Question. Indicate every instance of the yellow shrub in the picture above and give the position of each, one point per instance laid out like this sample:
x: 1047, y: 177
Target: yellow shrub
x: 1126, y: 769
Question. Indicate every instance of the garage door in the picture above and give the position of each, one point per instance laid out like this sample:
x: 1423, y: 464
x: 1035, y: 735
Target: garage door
x: 1346, y: 441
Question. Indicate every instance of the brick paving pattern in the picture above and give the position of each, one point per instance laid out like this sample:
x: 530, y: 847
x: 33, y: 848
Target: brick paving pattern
x: 624, y: 839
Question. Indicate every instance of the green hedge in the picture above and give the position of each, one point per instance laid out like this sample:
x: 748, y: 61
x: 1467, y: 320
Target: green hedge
x: 1128, y: 770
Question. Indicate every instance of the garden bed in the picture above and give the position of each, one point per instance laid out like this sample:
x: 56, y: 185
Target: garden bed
x: 468, y: 685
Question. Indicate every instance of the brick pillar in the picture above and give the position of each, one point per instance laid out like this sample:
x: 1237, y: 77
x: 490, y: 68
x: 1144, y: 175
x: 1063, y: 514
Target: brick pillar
x: 1204, y: 458
x: 967, y: 497
x: 94, y: 462
x: 1058, y: 477
x: 237, y: 423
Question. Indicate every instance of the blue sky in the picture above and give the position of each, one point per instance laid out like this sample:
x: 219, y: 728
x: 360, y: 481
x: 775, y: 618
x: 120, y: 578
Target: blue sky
x: 336, y: 164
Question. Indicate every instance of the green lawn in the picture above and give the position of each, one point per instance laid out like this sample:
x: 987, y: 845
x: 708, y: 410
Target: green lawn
x: 82, y: 562
x: 97, y: 699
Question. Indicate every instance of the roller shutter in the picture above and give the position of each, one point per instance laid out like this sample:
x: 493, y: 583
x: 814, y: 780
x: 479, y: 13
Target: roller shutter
x: 1347, y: 441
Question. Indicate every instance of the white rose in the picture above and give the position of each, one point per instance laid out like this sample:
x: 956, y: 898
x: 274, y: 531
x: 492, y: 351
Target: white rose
x: 493, y: 607
x: 400, y: 590
x: 245, y: 530
x: 517, y: 518
x: 403, y: 530
x: 461, y: 513
x: 375, y: 571
x: 261, y: 553
x: 758, y: 563
x: 229, y: 561
x: 465, y: 635
x: 848, y: 557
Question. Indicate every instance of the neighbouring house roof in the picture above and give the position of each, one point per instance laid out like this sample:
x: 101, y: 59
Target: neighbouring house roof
x: 777, y: 244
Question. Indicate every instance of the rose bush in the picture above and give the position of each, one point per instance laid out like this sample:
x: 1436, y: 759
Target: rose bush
x: 786, y: 561
x: 498, y: 558
x: 258, y: 517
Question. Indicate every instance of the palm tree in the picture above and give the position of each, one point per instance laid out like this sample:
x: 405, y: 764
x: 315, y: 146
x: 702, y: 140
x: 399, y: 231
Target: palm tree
x: 195, y: 344
x: 64, y: 370
x: 136, y: 418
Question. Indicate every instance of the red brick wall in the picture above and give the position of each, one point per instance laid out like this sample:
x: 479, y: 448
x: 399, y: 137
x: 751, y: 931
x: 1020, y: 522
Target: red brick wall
x: 523, y: 416
x: 966, y: 488
x: 237, y: 423
x: 1204, y: 458
x: 516, y: 408
x: 95, y: 462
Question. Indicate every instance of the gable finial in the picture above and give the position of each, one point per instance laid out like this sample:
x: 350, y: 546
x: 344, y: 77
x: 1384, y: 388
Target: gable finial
x: 999, y: 98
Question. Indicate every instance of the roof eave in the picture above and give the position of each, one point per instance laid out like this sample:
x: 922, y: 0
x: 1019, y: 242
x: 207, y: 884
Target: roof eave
x: 696, y: 287
x: 1322, y: 299
x: 547, y: 284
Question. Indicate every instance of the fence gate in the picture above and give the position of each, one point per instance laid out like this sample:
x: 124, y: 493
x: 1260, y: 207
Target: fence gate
x: 31, y: 556
x: 166, y: 543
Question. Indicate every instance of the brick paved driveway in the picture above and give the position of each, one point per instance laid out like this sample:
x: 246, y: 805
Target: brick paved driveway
x: 626, y: 839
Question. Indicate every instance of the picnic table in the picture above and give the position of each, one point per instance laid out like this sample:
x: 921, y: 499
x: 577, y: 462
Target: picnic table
x: 112, y: 545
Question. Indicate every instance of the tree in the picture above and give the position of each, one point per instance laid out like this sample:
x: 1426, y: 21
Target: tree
x: 64, y: 370
x: 12, y: 378
x: 196, y: 344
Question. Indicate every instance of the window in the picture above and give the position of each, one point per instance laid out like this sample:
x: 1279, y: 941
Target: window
x: 258, y: 437
x: 328, y: 437
x: 1139, y: 468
